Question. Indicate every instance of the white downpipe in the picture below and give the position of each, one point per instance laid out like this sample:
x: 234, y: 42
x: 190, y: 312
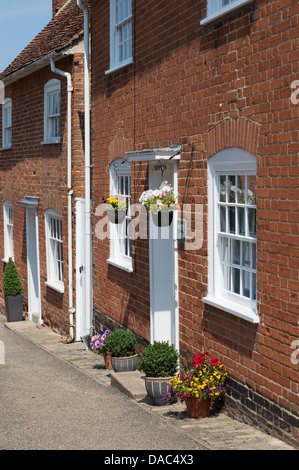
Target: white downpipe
x: 88, y: 296
x: 67, y: 75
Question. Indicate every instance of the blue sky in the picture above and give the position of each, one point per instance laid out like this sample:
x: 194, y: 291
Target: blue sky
x: 20, y: 22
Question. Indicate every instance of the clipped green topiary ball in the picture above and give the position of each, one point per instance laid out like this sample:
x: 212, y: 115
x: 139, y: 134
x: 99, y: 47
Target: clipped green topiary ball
x: 159, y: 359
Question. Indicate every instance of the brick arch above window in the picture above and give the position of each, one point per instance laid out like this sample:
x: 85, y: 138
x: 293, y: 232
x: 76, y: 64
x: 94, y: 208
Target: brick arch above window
x: 239, y: 132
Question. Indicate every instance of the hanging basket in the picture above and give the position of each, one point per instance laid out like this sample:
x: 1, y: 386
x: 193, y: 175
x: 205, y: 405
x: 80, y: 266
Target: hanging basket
x: 115, y: 216
x: 197, y: 407
x: 162, y: 218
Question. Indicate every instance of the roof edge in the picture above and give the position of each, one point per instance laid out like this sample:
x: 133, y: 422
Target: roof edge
x: 37, y: 65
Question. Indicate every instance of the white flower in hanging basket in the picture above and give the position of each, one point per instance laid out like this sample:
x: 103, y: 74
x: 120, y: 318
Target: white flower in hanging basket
x: 162, y: 199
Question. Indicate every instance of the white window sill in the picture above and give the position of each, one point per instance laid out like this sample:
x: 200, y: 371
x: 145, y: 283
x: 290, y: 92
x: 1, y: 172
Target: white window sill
x: 126, y: 267
x: 224, y: 11
x: 46, y: 142
x: 59, y: 287
x: 238, y: 310
x: 119, y: 66
x: 6, y: 147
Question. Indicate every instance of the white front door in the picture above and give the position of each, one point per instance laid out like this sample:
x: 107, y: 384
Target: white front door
x: 33, y: 269
x: 82, y: 323
x: 163, y: 266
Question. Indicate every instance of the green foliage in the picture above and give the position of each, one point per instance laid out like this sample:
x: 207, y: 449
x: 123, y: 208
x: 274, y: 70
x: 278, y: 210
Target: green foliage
x: 159, y: 359
x: 121, y: 343
x: 11, y: 280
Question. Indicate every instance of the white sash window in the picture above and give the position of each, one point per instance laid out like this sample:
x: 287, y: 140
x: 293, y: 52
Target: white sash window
x: 7, y: 123
x: 52, y: 112
x: 54, y: 247
x: 232, y: 233
x: 8, y: 231
x: 120, y: 34
x: 120, y: 186
x: 218, y: 8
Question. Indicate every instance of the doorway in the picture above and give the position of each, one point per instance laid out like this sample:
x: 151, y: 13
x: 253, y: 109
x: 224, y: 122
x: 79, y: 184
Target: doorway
x: 33, y: 268
x: 163, y: 264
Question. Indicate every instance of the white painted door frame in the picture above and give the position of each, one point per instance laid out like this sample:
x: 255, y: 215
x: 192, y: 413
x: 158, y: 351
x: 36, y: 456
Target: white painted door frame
x: 83, y: 324
x: 33, y: 266
x: 164, y: 309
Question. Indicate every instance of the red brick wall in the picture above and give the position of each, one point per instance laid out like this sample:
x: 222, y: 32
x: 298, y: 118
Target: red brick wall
x: 208, y: 88
x: 32, y: 169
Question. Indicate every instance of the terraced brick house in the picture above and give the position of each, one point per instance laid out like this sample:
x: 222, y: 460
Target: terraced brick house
x: 199, y: 94
x: 42, y: 169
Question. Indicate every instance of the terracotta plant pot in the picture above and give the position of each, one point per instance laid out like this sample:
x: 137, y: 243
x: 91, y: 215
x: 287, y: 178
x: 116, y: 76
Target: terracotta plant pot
x: 198, y: 408
x: 124, y: 364
x: 107, y: 359
x: 156, y: 388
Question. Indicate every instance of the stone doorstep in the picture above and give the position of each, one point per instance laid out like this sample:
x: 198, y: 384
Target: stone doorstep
x: 130, y: 383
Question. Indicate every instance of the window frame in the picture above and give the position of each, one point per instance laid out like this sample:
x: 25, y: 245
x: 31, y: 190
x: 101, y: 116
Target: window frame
x: 8, y: 235
x: 7, y: 126
x: 228, y: 161
x: 52, y: 87
x: 54, y: 264
x: 216, y: 9
x: 120, y: 234
x: 115, y: 28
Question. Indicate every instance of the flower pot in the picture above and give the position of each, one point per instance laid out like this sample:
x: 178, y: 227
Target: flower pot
x: 156, y: 388
x: 198, y: 407
x: 14, y: 307
x: 124, y: 364
x: 107, y: 359
x: 162, y: 218
x: 116, y: 217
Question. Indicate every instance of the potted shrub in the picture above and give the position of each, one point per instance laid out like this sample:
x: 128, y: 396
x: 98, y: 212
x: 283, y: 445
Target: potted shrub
x: 161, y: 203
x: 198, y: 385
x: 13, y: 292
x: 159, y: 361
x: 116, y: 207
x: 121, y: 344
x: 98, y: 345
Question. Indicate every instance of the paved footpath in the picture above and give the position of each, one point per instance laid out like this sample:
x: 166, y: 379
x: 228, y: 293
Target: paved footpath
x: 217, y: 432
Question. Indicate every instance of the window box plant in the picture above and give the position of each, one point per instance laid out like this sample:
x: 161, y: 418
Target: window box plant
x: 13, y: 293
x: 198, y: 385
x: 159, y: 361
x: 116, y: 207
x: 161, y: 203
x: 98, y: 345
x: 121, y: 344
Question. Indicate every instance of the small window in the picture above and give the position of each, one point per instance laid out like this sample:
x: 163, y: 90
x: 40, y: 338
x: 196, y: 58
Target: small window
x: 54, y: 247
x: 7, y: 123
x: 8, y: 231
x: 120, y: 33
x: 218, y: 8
x: 52, y: 112
x: 232, y: 233
x: 120, y: 186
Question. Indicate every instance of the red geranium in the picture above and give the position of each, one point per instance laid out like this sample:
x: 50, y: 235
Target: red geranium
x: 198, y: 360
x: 214, y: 361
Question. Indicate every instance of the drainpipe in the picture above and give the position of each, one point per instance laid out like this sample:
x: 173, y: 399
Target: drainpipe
x: 70, y: 193
x: 88, y: 294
